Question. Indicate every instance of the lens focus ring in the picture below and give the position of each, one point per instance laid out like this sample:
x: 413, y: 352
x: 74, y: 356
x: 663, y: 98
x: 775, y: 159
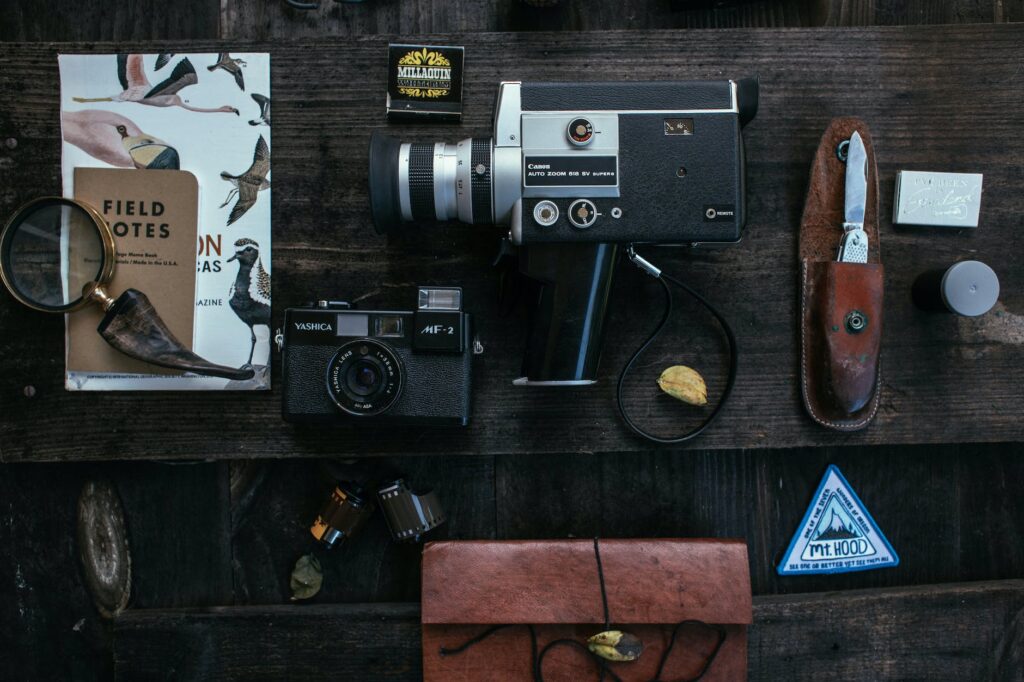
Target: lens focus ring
x: 481, y: 181
x: 364, y: 378
x: 421, y: 181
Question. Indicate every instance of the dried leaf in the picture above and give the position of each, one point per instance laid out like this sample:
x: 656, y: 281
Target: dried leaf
x: 615, y: 645
x: 685, y: 384
x: 307, y: 577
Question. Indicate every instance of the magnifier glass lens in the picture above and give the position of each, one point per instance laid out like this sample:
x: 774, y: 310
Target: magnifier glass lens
x: 51, y: 252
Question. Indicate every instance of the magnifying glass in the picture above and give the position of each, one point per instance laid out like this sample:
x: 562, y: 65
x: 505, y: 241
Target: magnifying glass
x: 57, y: 255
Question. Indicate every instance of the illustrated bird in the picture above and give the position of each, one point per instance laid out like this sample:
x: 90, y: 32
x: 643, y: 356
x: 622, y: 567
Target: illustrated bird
x: 250, y: 293
x: 248, y: 185
x: 264, y: 103
x: 163, y: 59
x: 131, y: 73
x: 232, y: 66
x: 149, y: 152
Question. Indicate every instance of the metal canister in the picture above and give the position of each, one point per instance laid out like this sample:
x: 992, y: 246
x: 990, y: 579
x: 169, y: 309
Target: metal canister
x: 344, y: 514
x: 969, y: 288
x: 410, y: 513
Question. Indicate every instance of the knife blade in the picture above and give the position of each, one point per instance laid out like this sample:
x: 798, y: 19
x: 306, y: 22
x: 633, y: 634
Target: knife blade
x: 854, y: 246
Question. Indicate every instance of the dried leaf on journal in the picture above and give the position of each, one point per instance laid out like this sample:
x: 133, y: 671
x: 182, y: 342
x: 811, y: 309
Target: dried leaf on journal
x: 307, y: 577
x: 615, y: 645
x: 685, y: 384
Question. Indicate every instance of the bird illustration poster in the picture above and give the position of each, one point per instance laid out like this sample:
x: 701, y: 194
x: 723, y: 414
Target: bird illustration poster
x: 208, y: 114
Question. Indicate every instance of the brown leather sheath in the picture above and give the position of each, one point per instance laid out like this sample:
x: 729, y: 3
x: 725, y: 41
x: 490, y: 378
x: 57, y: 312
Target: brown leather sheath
x: 553, y: 585
x: 840, y: 368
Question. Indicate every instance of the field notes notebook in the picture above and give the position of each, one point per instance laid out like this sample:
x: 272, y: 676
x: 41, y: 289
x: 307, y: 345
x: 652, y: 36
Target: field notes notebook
x: 154, y: 217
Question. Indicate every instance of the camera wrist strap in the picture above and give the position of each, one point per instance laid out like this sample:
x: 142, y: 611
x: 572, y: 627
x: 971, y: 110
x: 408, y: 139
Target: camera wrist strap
x: 664, y: 280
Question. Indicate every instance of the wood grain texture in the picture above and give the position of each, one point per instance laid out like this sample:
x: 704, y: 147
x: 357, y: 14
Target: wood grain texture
x: 307, y: 642
x: 936, y: 98
x: 951, y: 512
x: 272, y: 19
x: 905, y: 633
x: 914, y: 12
x: 68, y: 20
x: 181, y: 555
x: 884, y: 634
x: 274, y: 529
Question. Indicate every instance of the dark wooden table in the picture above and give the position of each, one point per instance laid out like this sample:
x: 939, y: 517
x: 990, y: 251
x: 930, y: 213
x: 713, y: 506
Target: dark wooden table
x: 936, y: 98
x: 213, y: 543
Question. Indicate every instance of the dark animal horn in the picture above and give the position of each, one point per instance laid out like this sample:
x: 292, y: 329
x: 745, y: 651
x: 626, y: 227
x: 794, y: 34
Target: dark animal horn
x: 133, y: 326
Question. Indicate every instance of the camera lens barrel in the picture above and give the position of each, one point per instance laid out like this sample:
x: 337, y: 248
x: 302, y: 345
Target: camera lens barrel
x: 364, y: 378
x: 427, y: 181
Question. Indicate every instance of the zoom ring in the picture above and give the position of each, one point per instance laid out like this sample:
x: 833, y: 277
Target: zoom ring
x: 480, y: 156
x: 421, y: 181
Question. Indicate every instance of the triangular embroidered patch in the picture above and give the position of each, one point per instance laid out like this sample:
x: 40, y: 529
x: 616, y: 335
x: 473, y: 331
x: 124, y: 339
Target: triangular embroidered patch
x: 837, y: 534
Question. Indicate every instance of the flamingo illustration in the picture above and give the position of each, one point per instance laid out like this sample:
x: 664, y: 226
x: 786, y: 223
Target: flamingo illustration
x: 137, y: 88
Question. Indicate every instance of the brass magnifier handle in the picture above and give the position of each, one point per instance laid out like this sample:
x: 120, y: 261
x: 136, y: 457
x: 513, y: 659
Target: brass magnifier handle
x: 134, y: 327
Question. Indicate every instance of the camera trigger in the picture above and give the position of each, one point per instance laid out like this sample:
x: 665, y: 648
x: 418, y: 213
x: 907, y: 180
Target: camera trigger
x: 506, y: 249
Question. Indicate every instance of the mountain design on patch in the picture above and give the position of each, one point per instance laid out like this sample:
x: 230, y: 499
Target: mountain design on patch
x: 836, y: 530
x: 837, y: 533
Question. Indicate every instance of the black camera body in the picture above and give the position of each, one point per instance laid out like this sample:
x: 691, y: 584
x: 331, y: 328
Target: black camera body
x: 640, y: 162
x: 575, y: 171
x: 383, y: 366
x: 571, y: 163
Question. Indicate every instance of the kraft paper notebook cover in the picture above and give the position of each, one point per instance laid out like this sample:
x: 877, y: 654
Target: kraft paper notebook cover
x: 154, y: 217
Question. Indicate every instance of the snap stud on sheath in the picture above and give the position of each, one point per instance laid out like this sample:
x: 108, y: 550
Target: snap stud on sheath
x: 842, y: 150
x: 856, y: 322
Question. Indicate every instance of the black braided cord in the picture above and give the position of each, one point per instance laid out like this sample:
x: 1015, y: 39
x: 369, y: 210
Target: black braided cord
x: 604, y: 670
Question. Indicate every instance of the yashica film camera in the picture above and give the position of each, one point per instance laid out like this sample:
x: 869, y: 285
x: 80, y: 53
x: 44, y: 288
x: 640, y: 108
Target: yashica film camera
x: 407, y: 366
x: 575, y: 170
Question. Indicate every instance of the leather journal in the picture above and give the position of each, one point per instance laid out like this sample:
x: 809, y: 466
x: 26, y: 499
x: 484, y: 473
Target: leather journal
x: 840, y: 303
x: 553, y: 588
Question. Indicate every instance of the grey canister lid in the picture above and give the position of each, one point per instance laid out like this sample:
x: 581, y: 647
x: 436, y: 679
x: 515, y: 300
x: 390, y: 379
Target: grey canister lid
x: 970, y: 288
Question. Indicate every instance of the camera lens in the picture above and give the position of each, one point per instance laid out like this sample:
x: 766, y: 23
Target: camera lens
x: 364, y: 378
x: 424, y: 181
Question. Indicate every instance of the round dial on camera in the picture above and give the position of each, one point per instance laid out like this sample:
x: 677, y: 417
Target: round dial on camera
x: 580, y: 131
x: 545, y: 213
x: 582, y: 213
x: 364, y: 378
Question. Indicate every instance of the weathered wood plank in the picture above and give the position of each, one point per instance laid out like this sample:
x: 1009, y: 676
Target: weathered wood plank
x: 309, y: 642
x: 953, y: 632
x: 934, y: 632
x: 941, y: 507
x: 915, y: 12
x: 945, y: 380
x: 273, y: 532
x: 45, y: 606
x: 272, y: 19
x: 179, y: 520
x: 176, y: 518
x: 69, y: 20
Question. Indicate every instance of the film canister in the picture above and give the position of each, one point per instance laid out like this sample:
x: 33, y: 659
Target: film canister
x: 969, y: 288
x: 410, y: 514
x: 343, y: 515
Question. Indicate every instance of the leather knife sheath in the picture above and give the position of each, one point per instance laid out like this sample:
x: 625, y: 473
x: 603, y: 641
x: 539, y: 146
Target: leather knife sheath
x: 840, y: 369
